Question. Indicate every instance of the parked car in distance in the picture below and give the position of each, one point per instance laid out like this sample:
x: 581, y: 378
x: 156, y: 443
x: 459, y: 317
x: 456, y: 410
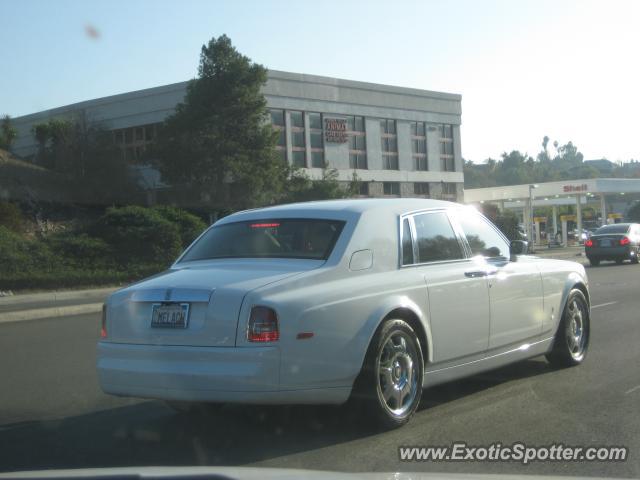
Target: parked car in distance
x: 366, y: 300
x: 617, y: 242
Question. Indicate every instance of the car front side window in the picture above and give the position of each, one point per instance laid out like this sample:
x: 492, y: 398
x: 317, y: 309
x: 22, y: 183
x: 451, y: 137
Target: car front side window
x: 482, y: 237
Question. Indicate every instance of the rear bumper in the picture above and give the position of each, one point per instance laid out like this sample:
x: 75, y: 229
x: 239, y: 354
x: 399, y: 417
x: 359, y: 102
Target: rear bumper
x: 202, y: 374
x: 609, y: 253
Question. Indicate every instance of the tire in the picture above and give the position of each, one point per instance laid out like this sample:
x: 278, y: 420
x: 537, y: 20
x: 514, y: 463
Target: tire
x: 594, y: 262
x: 634, y: 258
x: 619, y: 261
x: 571, y: 341
x: 389, y: 386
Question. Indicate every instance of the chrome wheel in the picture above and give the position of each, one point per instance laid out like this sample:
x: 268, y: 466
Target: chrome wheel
x: 397, y: 375
x: 575, y: 328
x: 571, y: 341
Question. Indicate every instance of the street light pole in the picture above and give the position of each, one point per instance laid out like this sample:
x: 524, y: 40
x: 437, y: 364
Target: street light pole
x: 531, y: 232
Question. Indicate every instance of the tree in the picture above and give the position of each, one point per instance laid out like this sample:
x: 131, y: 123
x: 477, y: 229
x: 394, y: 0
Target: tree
x: 301, y: 188
x: 40, y: 131
x: 506, y: 220
x: 633, y: 214
x: 218, y: 141
x: 8, y: 132
x: 85, y: 152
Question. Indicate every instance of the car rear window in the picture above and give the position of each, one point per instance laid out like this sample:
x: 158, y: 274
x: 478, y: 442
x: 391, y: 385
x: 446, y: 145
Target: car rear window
x: 612, y: 229
x: 269, y: 238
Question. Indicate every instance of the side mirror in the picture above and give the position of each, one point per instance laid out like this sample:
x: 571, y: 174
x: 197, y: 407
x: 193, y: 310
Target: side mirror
x: 519, y: 247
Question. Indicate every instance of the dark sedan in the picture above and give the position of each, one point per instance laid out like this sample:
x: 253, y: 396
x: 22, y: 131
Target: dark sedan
x: 618, y: 242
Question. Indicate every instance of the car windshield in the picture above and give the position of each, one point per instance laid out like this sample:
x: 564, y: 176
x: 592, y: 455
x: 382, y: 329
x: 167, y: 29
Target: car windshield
x: 270, y: 238
x: 624, y: 228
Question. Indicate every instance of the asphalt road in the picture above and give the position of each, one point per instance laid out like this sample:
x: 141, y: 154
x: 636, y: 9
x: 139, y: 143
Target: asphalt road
x: 53, y: 415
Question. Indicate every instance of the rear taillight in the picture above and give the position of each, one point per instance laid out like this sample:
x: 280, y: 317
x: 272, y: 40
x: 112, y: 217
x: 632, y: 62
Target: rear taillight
x: 588, y: 243
x: 625, y: 241
x: 263, y: 325
x: 103, y: 324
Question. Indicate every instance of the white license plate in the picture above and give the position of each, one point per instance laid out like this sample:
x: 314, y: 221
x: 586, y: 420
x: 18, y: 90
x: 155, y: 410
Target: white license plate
x: 170, y: 315
x: 605, y: 243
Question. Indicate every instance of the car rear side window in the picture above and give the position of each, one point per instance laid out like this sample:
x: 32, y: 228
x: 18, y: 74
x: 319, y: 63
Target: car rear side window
x: 612, y: 229
x: 482, y: 237
x: 268, y: 238
x: 436, y: 238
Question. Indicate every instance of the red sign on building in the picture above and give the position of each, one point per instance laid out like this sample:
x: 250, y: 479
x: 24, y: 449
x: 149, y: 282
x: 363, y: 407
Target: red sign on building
x: 335, y: 130
x: 575, y: 188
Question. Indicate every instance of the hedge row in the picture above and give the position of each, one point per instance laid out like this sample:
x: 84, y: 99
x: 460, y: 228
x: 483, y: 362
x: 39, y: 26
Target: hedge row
x: 124, y: 245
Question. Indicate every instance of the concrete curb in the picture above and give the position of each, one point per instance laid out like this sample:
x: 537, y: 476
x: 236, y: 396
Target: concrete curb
x: 56, y: 296
x: 51, y: 312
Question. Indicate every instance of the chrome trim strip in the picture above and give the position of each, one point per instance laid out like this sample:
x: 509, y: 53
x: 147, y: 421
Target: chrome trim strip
x: 172, y: 295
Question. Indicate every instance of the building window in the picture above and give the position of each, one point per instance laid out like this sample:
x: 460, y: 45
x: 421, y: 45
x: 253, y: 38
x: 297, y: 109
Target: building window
x: 150, y: 133
x: 421, y: 188
x: 419, y: 146
x: 299, y: 159
x: 315, y: 121
x: 355, y: 124
x: 388, y: 126
x: 277, y: 117
x: 135, y: 142
x: 278, y: 124
x: 317, y: 159
x: 389, y: 141
x: 297, y: 139
x: 447, y: 159
x: 316, y: 140
x: 363, y: 188
x: 448, y: 188
x: 297, y: 119
x: 391, y: 188
x: 298, y: 144
x: 357, y: 143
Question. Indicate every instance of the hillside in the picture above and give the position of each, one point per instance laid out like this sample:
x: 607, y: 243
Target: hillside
x: 24, y: 182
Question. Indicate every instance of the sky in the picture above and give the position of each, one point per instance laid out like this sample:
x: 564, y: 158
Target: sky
x: 569, y: 69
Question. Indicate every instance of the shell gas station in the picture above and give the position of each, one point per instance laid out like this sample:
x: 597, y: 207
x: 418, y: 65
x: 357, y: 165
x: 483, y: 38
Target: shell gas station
x: 556, y: 213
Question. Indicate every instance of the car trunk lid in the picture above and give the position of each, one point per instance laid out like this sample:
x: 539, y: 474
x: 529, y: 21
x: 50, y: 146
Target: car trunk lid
x: 607, y: 240
x: 213, y: 292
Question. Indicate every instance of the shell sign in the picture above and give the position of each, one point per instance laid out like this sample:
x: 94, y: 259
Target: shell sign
x: 575, y: 188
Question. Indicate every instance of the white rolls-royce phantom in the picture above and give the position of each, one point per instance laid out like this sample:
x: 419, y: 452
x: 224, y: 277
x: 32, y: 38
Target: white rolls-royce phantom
x: 322, y: 302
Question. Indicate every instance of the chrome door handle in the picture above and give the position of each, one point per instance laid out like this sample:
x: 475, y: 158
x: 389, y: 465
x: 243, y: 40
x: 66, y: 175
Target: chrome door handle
x: 480, y: 273
x: 476, y: 273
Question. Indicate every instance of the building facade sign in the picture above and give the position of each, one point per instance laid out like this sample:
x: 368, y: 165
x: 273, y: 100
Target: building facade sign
x: 575, y: 188
x: 335, y: 130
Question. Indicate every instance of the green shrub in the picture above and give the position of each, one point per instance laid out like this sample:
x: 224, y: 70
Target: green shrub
x: 189, y: 225
x: 70, y: 278
x: 139, y: 236
x: 81, y: 250
x: 11, y: 216
x: 19, y: 254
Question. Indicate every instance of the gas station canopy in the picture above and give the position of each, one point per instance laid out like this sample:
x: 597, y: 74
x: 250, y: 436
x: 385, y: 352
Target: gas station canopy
x: 554, y: 194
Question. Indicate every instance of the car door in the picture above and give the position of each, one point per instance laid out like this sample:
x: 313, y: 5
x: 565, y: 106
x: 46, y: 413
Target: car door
x: 457, y: 290
x: 515, y: 287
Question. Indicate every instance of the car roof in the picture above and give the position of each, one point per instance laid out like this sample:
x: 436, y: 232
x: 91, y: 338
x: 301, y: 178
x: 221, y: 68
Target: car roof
x: 618, y: 225
x: 347, y: 206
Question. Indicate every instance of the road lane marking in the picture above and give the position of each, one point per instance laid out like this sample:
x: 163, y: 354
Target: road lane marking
x: 602, y: 305
x: 631, y: 390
